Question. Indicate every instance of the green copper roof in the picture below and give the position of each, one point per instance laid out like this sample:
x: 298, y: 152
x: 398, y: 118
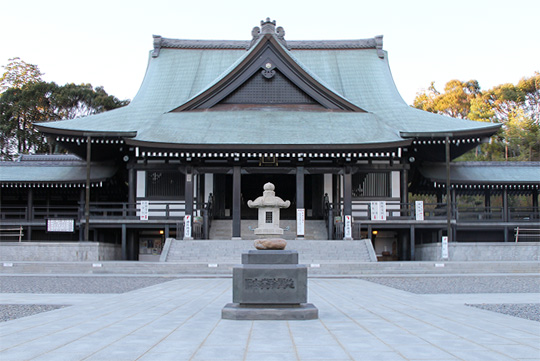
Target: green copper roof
x: 267, y: 127
x: 484, y: 172
x: 52, y: 169
x: 358, y: 72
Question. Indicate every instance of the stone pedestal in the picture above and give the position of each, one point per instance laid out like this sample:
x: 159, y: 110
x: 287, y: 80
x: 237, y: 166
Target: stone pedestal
x: 270, y: 285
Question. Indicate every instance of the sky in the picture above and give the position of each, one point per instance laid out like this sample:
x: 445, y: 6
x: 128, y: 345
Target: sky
x: 107, y: 42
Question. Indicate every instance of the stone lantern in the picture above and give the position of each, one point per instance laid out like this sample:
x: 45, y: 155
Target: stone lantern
x: 269, y: 206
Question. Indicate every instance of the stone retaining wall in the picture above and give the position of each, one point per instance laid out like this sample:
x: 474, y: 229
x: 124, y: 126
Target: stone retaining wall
x: 481, y: 251
x: 58, y: 251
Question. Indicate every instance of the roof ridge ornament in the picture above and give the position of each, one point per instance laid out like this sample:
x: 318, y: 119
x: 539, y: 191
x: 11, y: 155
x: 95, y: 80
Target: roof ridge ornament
x: 268, y: 27
x: 378, y: 46
x: 158, y: 42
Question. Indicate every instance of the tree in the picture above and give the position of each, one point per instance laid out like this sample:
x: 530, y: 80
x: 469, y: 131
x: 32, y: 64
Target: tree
x: 19, y: 73
x: 28, y: 100
x: 517, y: 107
x: 454, y: 102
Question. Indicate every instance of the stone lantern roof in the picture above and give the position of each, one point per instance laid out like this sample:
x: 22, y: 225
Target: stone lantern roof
x: 269, y: 199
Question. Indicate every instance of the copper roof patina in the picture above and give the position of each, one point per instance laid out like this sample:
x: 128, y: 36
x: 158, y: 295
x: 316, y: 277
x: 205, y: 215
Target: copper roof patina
x: 351, y: 71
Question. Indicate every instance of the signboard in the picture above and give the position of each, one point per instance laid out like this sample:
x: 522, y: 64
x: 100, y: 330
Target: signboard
x: 348, y: 227
x: 60, y: 225
x: 444, y: 248
x: 378, y: 211
x: 144, y: 211
x: 187, y: 226
x: 419, y: 208
x: 300, y: 222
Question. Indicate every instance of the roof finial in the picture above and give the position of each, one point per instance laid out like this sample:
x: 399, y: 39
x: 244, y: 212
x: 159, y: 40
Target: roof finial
x: 268, y: 26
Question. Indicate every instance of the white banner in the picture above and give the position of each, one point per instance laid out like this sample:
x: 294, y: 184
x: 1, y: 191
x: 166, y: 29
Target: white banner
x: 382, y: 210
x: 300, y: 222
x: 60, y: 225
x: 419, y: 209
x: 444, y: 248
x: 378, y: 211
x: 187, y: 226
x: 144, y: 211
x: 374, y: 211
x: 348, y: 227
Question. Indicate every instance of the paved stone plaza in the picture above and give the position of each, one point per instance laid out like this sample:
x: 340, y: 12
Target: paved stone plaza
x: 180, y: 319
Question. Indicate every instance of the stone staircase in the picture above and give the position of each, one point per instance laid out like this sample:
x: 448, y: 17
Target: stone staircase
x: 229, y: 252
x: 314, y: 230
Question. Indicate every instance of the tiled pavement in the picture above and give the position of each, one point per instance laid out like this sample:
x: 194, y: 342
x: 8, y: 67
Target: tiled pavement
x: 181, y: 320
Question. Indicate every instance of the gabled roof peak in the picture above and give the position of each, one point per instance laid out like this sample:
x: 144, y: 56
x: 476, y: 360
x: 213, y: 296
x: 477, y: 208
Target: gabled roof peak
x: 268, y: 27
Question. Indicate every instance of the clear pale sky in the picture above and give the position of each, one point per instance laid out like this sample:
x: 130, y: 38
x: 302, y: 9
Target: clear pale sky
x: 106, y: 43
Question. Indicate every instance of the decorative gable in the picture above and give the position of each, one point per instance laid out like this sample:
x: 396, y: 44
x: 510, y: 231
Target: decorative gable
x: 268, y: 76
x: 274, y: 88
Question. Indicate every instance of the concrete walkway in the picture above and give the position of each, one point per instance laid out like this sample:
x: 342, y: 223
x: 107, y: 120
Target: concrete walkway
x: 181, y: 320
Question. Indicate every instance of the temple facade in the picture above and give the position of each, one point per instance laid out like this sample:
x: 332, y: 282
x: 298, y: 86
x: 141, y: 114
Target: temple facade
x: 214, y: 121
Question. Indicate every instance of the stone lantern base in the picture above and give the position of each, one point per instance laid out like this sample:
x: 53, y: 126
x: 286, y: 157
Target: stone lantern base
x: 270, y: 285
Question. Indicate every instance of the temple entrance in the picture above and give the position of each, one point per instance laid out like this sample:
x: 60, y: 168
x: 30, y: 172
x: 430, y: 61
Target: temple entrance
x: 252, y: 187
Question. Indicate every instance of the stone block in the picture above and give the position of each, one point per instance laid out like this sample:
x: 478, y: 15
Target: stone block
x: 270, y: 257
x: 235, y: 311
x: 270, y: 284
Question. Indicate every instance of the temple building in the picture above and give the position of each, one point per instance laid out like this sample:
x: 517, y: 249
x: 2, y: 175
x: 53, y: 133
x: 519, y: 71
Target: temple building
x: 214, y: 121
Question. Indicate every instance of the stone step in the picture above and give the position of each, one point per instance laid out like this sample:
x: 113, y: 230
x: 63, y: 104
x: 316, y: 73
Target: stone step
x: 351, y: 269
x: 314, y: 229
x: 229, y: 251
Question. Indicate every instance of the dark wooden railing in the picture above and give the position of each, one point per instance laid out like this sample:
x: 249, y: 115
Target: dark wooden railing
x: 333, y: 213
x: 109, y: 211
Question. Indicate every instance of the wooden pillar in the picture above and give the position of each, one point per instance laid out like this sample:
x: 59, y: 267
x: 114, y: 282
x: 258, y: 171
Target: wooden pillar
x: 505, y: 205
x: 487, y: 202
x: 505, y: 213
x: 336, y: 192
x: 347, y: 191
x: 404, y: 192
x: 124, y: 243
x: 535, y: 203
x: 454, y: 213
x: 87, y: 200
x: 300, y: 206
x: 30, y: 213
x: 81, y: 214
x: 413, y: 241
x: 189, y: 201
x: 133, y: 246
x: 237, y: 202
x: 132, y: 191
x: 448, y: 198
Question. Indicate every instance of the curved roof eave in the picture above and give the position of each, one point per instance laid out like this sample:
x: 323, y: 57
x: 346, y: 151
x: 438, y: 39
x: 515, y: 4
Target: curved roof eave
x: 275, y: 147
x: 484, y: 131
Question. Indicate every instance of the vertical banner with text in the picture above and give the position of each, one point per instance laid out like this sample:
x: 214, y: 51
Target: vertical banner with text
x: 300, y: 222
x: 444, y: 248
x: 419, y: 209
x: 378, y: 211
x: 348, y: 227
x: 144, y: 211
x: 187, y: 226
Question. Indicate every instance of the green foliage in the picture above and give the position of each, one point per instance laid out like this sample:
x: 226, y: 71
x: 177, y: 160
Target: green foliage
x: 517, y: 107
x: 19, y: 73
x: 26, y: 100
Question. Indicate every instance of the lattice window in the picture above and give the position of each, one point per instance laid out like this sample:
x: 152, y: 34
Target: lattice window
x: 165, y: 184
x: 275, y: 90
x: 372, y: 185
